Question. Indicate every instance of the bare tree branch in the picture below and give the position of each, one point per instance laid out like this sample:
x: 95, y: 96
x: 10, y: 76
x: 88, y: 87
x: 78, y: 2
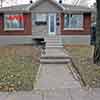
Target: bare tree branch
x: 1, y: 3
x: 76, y: 2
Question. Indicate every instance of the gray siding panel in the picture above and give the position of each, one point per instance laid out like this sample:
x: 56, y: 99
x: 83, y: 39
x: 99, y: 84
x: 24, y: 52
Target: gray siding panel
x: 46, y: 7
x: 42, y: 30
x: 38, y: 30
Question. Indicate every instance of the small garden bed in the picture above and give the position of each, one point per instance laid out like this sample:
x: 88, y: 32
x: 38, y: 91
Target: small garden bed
x: 82, y: 58
x: 18, y: 67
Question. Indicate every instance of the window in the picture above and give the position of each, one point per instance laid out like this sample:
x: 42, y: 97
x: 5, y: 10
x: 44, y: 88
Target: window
x: 72, y: 21
x: 41, y: 19
x: 13, y: 22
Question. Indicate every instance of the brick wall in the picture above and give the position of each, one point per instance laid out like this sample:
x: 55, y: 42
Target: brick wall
x: 86, y: 26
x: 27, y: 27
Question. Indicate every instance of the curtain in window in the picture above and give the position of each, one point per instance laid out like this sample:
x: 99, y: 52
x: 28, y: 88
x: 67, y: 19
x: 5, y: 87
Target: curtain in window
x: 73, y: 21
x: 15, y: 23
x: 41, y: 17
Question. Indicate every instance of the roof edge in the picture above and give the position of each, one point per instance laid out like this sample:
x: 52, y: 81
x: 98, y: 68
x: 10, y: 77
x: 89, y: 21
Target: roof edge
x: 40, y: 1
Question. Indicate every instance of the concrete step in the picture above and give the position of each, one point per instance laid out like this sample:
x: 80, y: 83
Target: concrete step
x: 47, y: 39
x: 51, y: 57
x: 53, y: 39
x: 55, y: 46
x: 53, y: 42
x: 54, y: 61
x: 54, y: 57
x: 55, y: 52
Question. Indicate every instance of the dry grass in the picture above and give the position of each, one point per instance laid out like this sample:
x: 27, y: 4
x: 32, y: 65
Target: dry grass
x: 18, y: 67
x: 21, y: 50
x: 82, y: 57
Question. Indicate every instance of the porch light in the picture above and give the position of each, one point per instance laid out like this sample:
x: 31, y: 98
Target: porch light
x: 31, y: 1
x: 60, y: 1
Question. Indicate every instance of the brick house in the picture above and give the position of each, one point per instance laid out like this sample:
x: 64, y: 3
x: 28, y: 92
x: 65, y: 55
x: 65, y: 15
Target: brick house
x: 45, y: 18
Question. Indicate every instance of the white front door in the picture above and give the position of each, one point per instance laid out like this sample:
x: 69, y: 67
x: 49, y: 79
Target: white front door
x: 52, y: 24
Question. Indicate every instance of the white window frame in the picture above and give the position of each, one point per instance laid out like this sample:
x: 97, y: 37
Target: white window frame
x: 12, y: 29
x: 75, y: 28
x: 41, y: 19
x: 49, y: 19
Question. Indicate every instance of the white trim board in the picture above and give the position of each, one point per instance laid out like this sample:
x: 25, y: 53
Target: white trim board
x: 49, y: 19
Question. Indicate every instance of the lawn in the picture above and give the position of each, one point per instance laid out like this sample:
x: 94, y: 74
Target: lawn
x: 18, y: 67
x: 82, y: 57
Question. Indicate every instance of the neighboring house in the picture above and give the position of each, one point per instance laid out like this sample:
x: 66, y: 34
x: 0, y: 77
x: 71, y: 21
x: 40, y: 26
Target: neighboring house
x: 45, y: 18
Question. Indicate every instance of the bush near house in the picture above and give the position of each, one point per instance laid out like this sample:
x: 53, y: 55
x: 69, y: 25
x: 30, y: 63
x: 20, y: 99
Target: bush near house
x: 18, y: 67
x: 82, y: 57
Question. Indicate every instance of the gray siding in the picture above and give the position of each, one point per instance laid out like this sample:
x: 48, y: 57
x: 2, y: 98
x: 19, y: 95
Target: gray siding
x: 38, y: 30
x: 42, y: 30
x: 46, y: 7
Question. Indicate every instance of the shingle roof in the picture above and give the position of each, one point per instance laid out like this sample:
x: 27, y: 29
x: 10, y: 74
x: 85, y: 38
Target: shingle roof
x: 68, y: 8
x: 54, y: 2
x: 21, y: 7
x: 77, y: 8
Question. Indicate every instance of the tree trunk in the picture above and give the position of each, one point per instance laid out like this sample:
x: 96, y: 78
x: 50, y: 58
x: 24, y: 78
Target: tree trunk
x: 96, y: 57
x: 1, y: 3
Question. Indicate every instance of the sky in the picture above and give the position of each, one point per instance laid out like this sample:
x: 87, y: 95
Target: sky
x: 14, y: 2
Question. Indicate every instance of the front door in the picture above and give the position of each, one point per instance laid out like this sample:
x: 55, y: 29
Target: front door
x: 52, y: 24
